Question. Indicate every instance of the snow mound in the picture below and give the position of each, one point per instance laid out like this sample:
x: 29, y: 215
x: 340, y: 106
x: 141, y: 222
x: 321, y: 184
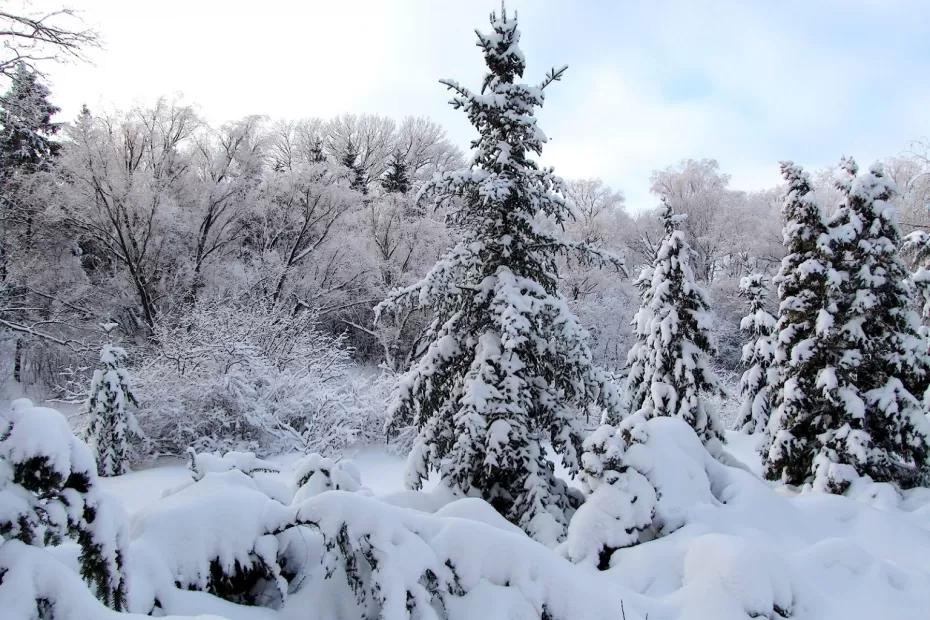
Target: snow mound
x: 31, y: 575
x: 207, y: 536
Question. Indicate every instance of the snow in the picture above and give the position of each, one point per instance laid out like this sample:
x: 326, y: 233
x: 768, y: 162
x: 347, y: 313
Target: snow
x: 721, y: 543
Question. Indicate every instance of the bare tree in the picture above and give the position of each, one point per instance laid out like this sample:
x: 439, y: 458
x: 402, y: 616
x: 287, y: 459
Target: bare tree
x: 124, y: 177
x: 39, y: 37
x: 228, y: 168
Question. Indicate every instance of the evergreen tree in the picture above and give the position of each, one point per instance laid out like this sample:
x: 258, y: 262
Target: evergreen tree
x: 317, y: 154
x: 508, y: 367
x: 668, y: 365
x: 110, y: 419
x: 755, y: 384
x: 800, y: 347
x: 395, y: 180
x: 879, y: 361
x: 49, y: 491
x: 357, y: 178
x: 27, y: 128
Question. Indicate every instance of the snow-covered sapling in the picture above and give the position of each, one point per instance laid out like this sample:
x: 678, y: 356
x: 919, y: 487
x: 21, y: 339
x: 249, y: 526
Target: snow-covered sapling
x: 755, y: 384
x: 110, y: 420
x: 669, y: 371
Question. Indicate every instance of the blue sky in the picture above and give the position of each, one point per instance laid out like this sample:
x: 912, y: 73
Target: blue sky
x: 649, y: 83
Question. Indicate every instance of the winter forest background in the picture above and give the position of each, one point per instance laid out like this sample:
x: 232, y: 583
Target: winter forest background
x: 711, y: 405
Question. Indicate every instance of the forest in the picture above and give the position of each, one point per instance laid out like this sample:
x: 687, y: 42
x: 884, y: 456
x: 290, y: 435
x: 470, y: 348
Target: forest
x: 345, y: 368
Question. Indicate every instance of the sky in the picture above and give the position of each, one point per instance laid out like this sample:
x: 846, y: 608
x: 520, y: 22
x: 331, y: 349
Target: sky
x: 748, y: 82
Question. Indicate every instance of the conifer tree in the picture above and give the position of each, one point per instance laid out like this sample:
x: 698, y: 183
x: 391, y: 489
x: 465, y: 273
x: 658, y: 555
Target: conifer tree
x: 799, y: 341
x: 755, y: 384
x: 49, y: 492
x: 27, y: 127
x: 110, y: 419
x: 357, y: 180
x: 317, y: 154
x: 668, y: 365
x: 879, y: 361
x: 395, y: 180
x: 508, y: 367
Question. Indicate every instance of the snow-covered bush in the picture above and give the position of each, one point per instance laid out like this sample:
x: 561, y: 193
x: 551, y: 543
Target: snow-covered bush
x: 204, y: 463
x: 216, y: 535
x: 645, y: 477
x: 621, y: 501
x: 109, y: 420
x: 48, y: 492
x: 315, y: 474
x: 252, y: 377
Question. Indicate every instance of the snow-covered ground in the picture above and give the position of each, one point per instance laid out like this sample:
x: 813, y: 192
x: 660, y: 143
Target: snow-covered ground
x: 743, y: 548
x: 724, y: 544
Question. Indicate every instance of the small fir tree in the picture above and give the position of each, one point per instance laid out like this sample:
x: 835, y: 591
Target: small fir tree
x: 755, y: 384
x: 317, y: 154
x: 395, y: 180
x: 108, y: 407
x: 879, y: 361
x: 508, y: 367
x: 800, y: 346
x: 357, y: 179
x: 669, y: 371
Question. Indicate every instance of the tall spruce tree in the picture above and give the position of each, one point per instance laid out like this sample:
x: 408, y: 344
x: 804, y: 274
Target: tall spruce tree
x: 800, y: 341
x: 508, y: 367
x: 26, y: 145
x: 396, y: 180
x: 758, y: 352
x: 878, y: 359
x: 669, y: 363
x: 108, y: 407
x: 26, y: 127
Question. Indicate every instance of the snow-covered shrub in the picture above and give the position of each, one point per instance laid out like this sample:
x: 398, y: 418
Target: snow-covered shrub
x: 645, y: 477
x: 34, y: 584
x: 48, y: 492
x: 315, y: 474
x: 621, y: 501
x: 402, y: 563
x: 109, y: 420
x: 216, y: 535
x: 204, y: 463
x: 251, y: 377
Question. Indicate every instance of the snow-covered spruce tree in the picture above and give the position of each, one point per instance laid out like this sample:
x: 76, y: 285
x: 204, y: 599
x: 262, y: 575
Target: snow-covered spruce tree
x: 799, y: 339
x: 508, y: 367
x: 26, y: 126
x: 755, y: 384
x: 48, y: 492
x: 396, y: 180
x: 668, y: 366
x: 357, y: 179
x: 878, y: 360
x: 110, y: 420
